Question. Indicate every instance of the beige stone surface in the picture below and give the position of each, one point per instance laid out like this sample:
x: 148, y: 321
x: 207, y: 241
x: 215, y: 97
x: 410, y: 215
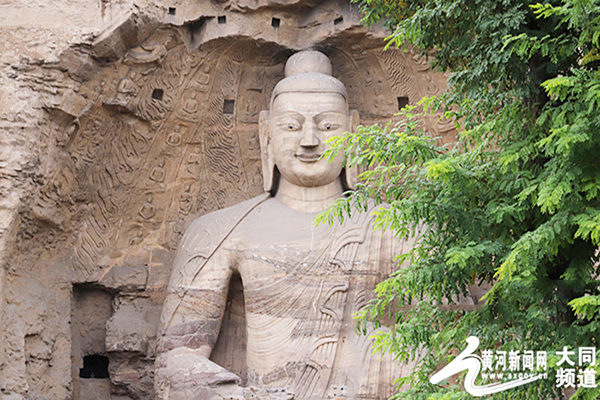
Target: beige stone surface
x: 301, y: 283
x: 121, y: 122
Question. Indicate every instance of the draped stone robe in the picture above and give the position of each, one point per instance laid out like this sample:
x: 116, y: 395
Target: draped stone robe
x: 302, y: 283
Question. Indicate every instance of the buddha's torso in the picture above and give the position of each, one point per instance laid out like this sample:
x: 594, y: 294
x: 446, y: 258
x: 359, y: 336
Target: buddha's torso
x: 302, y: 284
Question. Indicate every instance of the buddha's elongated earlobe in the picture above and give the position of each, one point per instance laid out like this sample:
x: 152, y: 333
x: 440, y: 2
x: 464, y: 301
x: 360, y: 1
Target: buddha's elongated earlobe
x: 351, y: 172
x: 268, y: 167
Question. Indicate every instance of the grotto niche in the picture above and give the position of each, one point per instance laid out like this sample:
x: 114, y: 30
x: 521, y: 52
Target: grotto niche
x: 127, y: 136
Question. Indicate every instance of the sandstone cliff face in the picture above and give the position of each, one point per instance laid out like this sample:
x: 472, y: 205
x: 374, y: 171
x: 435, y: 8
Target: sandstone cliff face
x: 121, y: 122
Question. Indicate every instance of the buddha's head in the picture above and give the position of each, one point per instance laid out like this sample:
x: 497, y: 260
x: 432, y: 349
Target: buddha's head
x: 307, y: 107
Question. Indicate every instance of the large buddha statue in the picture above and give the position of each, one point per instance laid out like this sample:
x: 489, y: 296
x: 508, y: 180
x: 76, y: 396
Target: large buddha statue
x: 302, y: 283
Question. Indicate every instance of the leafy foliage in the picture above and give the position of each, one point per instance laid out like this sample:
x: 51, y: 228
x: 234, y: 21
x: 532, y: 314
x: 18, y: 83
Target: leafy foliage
x: 515, y: 203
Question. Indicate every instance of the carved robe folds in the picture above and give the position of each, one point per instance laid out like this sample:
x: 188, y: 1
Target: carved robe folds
x: 302, y: 284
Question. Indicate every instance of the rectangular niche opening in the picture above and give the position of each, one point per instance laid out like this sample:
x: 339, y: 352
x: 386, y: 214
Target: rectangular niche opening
x: 157, y: 94
x: 228, y: 107
x: 221, y: 19
x: 402, y: 102
x: 95, y: 366
x: 338, y: 21
x: 275, y: 22
x: 172, y: 10
x: 91, y: 308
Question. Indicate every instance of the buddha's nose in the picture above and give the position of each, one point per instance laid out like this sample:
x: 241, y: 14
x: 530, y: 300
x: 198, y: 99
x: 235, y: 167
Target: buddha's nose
x: 310, y: 136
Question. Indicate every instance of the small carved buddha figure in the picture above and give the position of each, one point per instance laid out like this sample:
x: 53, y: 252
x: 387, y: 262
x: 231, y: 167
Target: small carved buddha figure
x: 185, y: 200
x: 190, y: 106
x: 126, y: 89
x: 158, y: 172
x: 301, y: 283
x: 148, y: 210
x: 174, y: 138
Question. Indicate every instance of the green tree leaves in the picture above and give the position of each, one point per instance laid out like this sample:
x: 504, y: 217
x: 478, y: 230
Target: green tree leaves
x: 514, y: 204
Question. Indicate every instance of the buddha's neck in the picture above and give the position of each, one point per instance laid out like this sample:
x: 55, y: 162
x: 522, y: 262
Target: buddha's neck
x: 308, y: 199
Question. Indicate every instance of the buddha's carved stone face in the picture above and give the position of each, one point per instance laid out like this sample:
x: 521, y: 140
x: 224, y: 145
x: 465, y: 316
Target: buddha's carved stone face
x: 299, y: 125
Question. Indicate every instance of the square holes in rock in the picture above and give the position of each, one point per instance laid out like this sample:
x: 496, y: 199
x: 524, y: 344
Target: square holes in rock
x: 338, y: 21
x: 172, y: 10
x: 221, y: 19
x: 402, y: 102
x: 157, y: 94
x: 228, y: 107
x: 275, y: 22
x: 94, y: 367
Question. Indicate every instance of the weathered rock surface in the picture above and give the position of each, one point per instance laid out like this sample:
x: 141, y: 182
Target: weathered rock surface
x: 121, y: 122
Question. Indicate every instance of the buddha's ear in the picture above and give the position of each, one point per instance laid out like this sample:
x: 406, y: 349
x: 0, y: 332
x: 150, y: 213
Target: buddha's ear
x: 351, y: 172
x: 266, y: 153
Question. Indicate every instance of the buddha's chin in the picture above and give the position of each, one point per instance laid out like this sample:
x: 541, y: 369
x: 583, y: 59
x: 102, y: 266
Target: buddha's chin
x: 312, y: 180
x: 310, y: 173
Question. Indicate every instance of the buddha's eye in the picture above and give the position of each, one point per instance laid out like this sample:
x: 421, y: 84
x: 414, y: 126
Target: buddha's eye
x: 327, y: 126
x: 292, y: 126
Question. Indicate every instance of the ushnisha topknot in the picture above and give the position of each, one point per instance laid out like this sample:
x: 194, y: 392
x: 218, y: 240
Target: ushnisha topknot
x: 309, y: 71
x: 308, y: 61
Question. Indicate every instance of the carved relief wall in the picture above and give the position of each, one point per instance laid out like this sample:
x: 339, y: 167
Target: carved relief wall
x: 161, y: 129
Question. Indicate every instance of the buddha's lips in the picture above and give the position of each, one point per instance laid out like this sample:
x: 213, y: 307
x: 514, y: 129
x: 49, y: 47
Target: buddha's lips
x: 309, y: 158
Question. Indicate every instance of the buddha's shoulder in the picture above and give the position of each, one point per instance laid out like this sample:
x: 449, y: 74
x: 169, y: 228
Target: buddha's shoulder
x: 213, y: 227
x: 363, y: 215
x: 232, y: 213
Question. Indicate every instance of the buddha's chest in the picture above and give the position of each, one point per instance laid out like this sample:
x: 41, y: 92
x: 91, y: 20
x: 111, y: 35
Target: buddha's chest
x: 312, y: 261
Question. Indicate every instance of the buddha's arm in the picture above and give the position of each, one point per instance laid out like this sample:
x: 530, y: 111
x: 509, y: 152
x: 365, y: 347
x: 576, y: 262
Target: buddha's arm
x: 195, y: 304
x: 191, y: 319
